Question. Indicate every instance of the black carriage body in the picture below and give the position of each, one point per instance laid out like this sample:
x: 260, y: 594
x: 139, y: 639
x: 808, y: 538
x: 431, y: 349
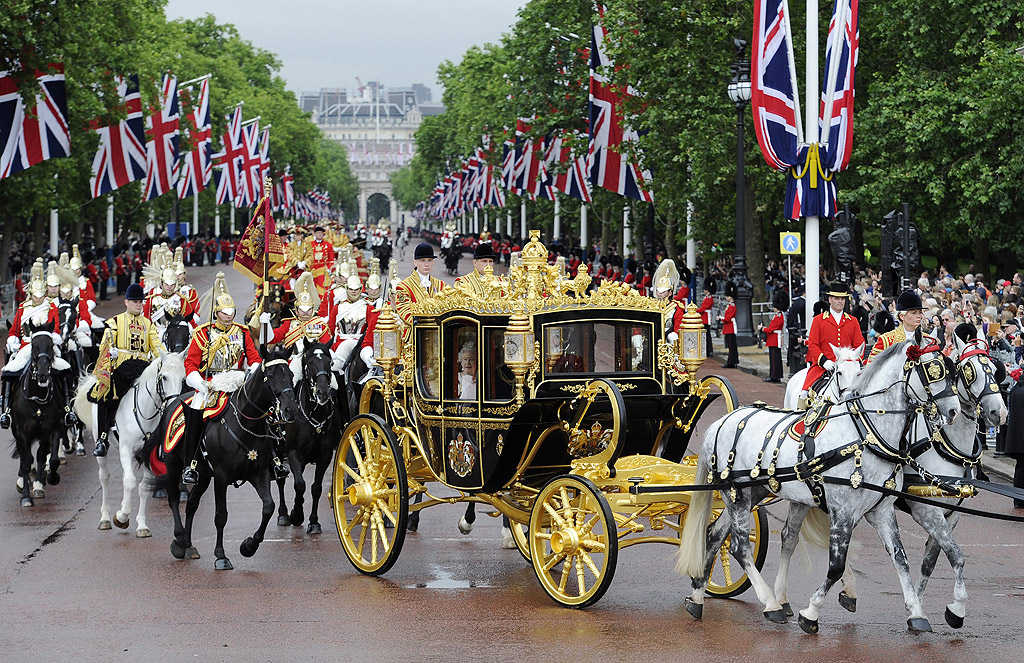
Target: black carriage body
x: 485, y: 442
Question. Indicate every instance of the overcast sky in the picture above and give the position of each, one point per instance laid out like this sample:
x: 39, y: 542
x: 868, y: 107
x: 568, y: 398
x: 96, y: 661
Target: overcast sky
x: 327, y: 43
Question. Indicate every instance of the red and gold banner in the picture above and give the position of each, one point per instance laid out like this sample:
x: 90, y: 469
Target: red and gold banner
x: 260, y: 246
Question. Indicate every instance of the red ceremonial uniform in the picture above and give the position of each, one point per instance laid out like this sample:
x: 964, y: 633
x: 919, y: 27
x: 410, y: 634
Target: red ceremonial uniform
x: 104, y: 270
x: 119, y: 268
x: 774, y: 331
x: 292, y: 330
x: 196, y: 360
x: 323, y: 258
x: 87, y: 292
x: 372, y: 314
x: 705, y: 309
x: 20, y: 324
x: 825, y: 332
x: 728, y: 319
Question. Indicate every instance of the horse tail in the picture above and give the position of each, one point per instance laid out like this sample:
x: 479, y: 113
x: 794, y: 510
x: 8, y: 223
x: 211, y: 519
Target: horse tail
x: 815, y: 532
x: 83, y: 408
x: 691, y: 557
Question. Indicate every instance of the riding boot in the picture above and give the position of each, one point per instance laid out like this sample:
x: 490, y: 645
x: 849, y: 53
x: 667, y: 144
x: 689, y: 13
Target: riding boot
x: 280, y: 469
x: 5, y: 402
x: 103, y: 419
x: 70, y: 420
x: 193, y: 431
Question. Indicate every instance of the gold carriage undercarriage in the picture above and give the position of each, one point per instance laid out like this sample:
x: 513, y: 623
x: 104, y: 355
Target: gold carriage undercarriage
x: 546, y: 402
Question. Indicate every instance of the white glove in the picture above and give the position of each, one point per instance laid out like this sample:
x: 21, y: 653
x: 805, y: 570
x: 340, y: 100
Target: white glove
x: 113, y: 352
x: 196, y: 381
x: 265, y: 318
x: 72, y: 346
x: 302, y: 264
x: 13, y: 344
x: 829, y: 365
x: 366, y: 354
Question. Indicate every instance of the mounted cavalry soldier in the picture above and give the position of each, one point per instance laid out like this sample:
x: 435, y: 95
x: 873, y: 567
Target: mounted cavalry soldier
x: 129, y: 344
x: 833, y: 327
x: 305, y: 323
x: 909, y: 314
x: 188, y: 294
x: 40, y: 311
x: 217, y: 354
x: 347, y: 319
x: 164, y: 302
x: 483, y: 257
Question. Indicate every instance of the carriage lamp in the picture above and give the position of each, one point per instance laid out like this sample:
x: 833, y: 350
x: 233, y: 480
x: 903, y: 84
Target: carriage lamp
x: 387, y: 343
x: 691, y: 341
x: 519, y: 348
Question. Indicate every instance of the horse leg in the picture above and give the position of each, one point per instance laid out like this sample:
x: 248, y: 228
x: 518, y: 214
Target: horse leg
x: 174, y: 502
x: 129, y: 482
x: 299, y: 484
x: 55, y: 459
x: 740, y: 548
x: 25, y: 471
x: 466, y: 524
x: 315, y: 490
x: 884, y: 522
x: 220, y: 519
x: 790, y: 539
x: 191, y: 506
x: 142, y: 528
x: 104, y: 473
x: 283, y: 520
x: 249, y: 547
x: 940, y: 536
x: 715, y: 535
x: 42, y: 453
x: 840, y: 533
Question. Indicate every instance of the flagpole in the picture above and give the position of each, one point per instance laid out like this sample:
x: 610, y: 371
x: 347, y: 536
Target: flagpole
x: 812, y: 278
x: 266, y: 254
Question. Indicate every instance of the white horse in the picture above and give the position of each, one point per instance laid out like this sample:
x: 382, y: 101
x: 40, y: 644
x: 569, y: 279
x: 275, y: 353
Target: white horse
x: 954, y: 453
x: 138, y: 415
x: 847, y: 368
x: 860, y: 442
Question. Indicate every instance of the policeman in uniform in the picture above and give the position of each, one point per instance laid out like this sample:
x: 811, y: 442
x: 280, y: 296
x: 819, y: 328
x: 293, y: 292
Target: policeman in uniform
x: 218, y: 346
x: 833, y: 327
x: 909, y: 314
x: 130, y: 343
x: 483, y: 256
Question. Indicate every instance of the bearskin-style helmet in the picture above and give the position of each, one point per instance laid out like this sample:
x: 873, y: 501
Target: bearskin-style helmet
x: 710, y: 286
x: 781, y: 300
x: 883, y: 322
x: 730, y: 289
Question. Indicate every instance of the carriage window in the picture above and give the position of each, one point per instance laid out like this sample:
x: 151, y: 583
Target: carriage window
x: 461, y: 362
x: 500, y: 382
x: 428, y: 359
x: 598, y: 347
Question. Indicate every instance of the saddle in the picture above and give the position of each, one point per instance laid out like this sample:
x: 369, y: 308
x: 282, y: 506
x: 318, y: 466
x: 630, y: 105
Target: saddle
x: 176, y: 424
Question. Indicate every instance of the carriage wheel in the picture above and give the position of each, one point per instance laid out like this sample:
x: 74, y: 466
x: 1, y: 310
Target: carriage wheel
x: 573, y: 540
x: 519, y: 535
x: 371, y: 503
x: 726, y: 581
x: 719, y: 383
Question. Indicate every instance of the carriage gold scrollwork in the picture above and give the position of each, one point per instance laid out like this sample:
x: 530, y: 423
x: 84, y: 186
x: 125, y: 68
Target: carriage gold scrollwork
x: 580, y: 388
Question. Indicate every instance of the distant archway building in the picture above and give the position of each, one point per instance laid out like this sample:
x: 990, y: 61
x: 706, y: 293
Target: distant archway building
x: 377, y: 128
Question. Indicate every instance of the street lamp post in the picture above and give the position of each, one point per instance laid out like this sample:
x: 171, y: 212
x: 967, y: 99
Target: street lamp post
x: 739, y: 93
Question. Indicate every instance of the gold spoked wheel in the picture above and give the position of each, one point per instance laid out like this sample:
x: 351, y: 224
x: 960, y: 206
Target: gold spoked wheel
x: 718, y: 383
x: 519, y: 535
x: 573, y: 541
x: 728, y: 578
x: 370, y: 495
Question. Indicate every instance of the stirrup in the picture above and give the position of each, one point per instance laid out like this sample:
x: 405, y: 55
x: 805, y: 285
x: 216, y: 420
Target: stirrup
x: 5, y: 420
x: 190, y: 476
x: 280, y: 469
x: 101, y: 449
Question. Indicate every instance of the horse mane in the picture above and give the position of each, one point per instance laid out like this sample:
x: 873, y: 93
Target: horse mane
x: 879, y: 364
x: 847, y: 354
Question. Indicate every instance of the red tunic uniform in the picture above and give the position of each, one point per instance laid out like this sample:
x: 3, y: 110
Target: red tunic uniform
x: 20, y: 324
x: 774, y: 331
x: 825, y: 332
x: 728, y: 319
x: 705, y: 309
x: 323, y: 258
x: 196, y: 358
x: 292, y: 330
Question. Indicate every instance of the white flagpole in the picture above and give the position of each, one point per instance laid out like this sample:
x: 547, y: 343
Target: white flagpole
x: 811, y: 222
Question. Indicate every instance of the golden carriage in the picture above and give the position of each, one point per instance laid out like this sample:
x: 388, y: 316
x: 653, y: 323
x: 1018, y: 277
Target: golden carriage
x: 576, y: 428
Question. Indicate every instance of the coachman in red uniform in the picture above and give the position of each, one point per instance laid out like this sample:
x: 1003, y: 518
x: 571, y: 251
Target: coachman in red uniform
x: 833, y: 327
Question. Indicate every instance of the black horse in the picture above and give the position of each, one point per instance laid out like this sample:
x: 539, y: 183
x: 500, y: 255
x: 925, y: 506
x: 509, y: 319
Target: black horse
x: 452, y: 255
x: 314, y: 434
x: 238, y: 445
x: 36, y: 409
x: 177, y: 335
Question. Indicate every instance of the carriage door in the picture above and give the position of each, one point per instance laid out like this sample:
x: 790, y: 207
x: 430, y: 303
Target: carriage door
x: 462, y: 386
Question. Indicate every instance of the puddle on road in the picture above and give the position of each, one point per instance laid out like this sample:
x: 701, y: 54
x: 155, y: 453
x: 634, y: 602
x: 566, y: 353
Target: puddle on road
x: 445, y: 581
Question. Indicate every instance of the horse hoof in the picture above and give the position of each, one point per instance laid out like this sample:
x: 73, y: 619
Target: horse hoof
x: 695, y: 609
x: 80, y: 449
x: 192, y: 553
x: 788, y: 609
x: 143, y: 533
x: 283, y: 521
x: 953, y: 620
x: 53, y: 478
x: 160, y: 493
x: 248, y: 547
x: 808, y: 625
x: 464, y: 526
x: 39, y: 493
x: 314, y: 528
x: 776, y: 616
x: 27, y: 501
x: 63, y: 460
x: 297, y: 517
x: 19, y: 485
x: 105, y: 525
x: 223, y: 564
x: 919, y: 625
x: 848, y: 602
x: 118, y: 523
x: 177, y: 549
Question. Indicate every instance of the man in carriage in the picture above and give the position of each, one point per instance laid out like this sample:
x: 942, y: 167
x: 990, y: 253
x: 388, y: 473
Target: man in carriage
x: 909, y: 315
x: 218, y: 353
x: 833, y: 327
x: 483, y: 256
x: 37, y: 310
x: 130, y: 342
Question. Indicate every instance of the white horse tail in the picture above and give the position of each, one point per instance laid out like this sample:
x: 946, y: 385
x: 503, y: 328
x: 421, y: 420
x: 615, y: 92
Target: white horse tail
x: 816, y: 531
x: 691, y: 557
x: 83, y: 408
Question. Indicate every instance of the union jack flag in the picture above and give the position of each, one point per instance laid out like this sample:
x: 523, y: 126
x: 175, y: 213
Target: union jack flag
x: 772, y: 96
x: 607, y: 158
x: 250, y: 185
x: 121, y: 155
x: 163, y: 131
x: 572, y: 180
x: 288, y: 188
x: 195, y: 170
x: 28, y: 136
x: 228, y: 160
x: 839, y: 137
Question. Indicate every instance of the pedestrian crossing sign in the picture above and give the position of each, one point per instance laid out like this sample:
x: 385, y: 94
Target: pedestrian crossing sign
x: 790, y: 243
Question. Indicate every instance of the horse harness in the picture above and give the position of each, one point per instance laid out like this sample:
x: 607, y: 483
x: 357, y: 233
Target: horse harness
x: 34, y: 373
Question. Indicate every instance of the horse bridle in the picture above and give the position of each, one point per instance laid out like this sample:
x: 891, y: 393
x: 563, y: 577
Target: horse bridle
x: 34, y: 373
x: 310, y: 382
x: 277, y: 396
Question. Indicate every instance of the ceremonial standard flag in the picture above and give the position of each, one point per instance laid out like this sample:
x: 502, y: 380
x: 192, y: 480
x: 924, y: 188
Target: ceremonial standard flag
x: 260, y: 247
x: 121, y: 155
x: 607, y: 158
x: 163, y: 132
x: 36, y: 133
x: 196, y: 168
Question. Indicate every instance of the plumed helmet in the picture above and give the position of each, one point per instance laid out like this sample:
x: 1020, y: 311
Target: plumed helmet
x: 222, y: 300
x: 667, y: 276
x: 353, y: 283
x: 168, y: 276
x: 909, y: 301
x: 76, y: 257
x: 51, y: 274
x: 373, y: 280
x: 64, y: 260
x: 179, y: 261
x: 306, y: 294
x: 37, y: 282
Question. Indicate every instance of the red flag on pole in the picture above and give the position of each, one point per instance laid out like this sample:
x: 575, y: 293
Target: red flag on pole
x: 260, y: 246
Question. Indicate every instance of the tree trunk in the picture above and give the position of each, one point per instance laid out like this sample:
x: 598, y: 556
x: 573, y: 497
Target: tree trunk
x: 755, y: 246
x: 671, y: 247
x: 982, y: 260
x: 39, y: 232
x: 5, y: 248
